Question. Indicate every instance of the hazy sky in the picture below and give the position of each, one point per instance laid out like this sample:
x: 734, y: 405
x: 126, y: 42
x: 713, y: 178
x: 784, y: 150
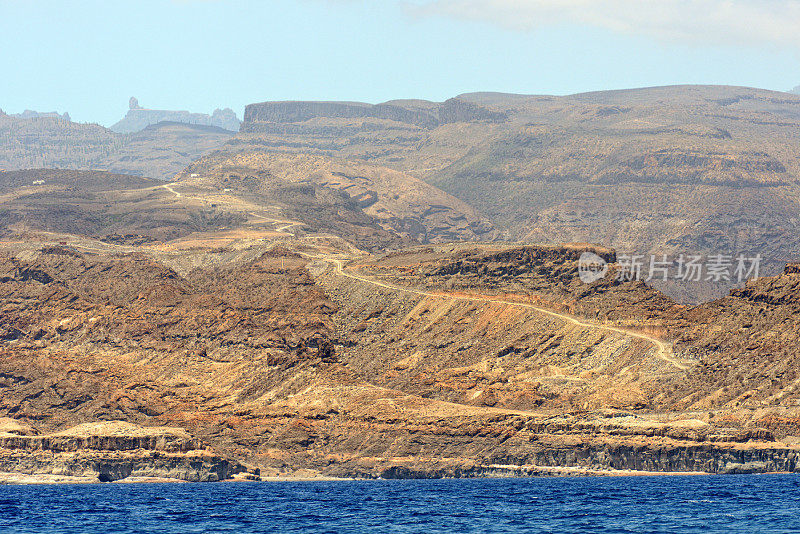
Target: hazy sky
x: 88, y: 57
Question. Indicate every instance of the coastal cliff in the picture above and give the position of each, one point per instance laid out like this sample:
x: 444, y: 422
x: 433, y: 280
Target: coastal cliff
x: 107, y: 452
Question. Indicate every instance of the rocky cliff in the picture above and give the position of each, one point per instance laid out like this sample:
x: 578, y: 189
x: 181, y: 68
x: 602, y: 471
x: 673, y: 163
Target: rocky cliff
x: 421, y: 114
x: 107, y: 452
x: 290, y: 112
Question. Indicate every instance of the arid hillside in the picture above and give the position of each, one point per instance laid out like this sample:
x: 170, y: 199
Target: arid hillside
x: 101, y: 204
x: 329, y: 292
x: 735, y: 352
x: 683, y: 169
x: 445, y: 360
x: 668, y: 170
x: 246, y: 195
x: 323, y: 192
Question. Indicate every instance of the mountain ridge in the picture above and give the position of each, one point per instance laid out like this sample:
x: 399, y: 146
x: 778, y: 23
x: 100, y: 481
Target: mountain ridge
x: 138, y: 118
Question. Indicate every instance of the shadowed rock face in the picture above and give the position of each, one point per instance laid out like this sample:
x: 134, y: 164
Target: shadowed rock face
x: 109, y: 451
x: 288, y: 112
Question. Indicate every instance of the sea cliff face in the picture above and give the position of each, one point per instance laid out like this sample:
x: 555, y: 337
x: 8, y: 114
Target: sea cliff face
x: 110, y: 451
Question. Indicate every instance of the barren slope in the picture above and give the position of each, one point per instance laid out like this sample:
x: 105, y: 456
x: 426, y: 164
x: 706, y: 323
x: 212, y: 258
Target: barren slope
x: 285, y: 362
x: 316, y: 190
x: 684, y: 169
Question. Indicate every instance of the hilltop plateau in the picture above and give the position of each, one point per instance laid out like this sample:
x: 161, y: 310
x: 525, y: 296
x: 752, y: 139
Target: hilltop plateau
x: 100, y: 204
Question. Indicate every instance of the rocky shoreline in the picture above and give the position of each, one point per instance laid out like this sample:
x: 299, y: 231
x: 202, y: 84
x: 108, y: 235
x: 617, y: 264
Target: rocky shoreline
x: 109, y: 452
x: 117, y: 451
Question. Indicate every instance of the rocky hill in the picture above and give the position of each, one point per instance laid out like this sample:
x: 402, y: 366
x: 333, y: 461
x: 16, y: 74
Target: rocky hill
x: 220, y: 337
x: 695, y: 170
x: 276, y: 196
x: 423, y: 114
x: 328, y: 292
x: 739, y: 349
x: 100, y: 204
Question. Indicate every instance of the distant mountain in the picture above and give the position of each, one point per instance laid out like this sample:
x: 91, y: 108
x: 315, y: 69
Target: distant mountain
x: 158, y: 151
x: 139, y: 118
x: 30, y: 114
x: 796, y: 90
x: 682, y: 169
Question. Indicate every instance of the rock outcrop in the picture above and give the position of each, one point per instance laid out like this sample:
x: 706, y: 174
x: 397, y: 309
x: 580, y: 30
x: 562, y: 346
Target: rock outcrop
x: 291, y: 112
x: 429, y: 115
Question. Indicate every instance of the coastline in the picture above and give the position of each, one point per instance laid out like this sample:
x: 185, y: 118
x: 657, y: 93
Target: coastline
x: 497, y: 474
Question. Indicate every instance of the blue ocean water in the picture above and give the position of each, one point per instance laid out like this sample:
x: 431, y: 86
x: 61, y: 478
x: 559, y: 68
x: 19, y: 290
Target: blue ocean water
x: 684, y: 504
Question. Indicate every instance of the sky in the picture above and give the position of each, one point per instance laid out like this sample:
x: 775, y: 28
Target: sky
x: 88, y: 57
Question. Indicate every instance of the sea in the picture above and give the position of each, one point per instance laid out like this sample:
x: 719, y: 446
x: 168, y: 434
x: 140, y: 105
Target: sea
x: 682, y: 504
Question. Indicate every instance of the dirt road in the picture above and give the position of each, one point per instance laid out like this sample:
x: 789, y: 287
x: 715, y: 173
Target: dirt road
x: 663, y: 351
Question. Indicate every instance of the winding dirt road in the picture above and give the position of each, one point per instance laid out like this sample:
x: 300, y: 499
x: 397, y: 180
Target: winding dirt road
x: 663, y: 351
x: 169, y: 188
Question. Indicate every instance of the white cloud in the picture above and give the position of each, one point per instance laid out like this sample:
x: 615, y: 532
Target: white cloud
x: 748, y: 22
